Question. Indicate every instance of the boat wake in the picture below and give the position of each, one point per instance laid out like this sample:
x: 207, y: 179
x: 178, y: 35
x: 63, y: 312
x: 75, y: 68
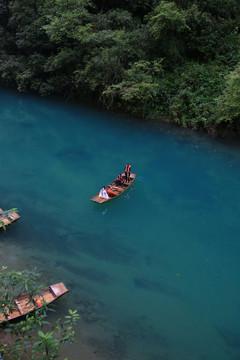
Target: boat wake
x: 104, y: 212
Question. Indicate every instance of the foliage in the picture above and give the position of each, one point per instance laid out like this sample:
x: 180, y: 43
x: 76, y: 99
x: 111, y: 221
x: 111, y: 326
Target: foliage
x: 139, y: 86
x: 165, y: 18
x: 106, y: 50
x: 205, y: 30
x: 68, y: 21
x: 229, y: 101
x: 31, y: 342
x: 111, y: 54
x: 194, y: 102
x: 166, y: 24
x: 14, y: 283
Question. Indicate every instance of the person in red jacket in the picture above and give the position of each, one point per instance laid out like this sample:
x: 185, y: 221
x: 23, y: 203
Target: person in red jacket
x: 127, y: 172
x: 120, y: 180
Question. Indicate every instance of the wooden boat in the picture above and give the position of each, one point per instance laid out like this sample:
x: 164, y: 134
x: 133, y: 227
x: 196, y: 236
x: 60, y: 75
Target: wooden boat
x: 114, y: 190
x: 23, y: 305
x: 7, y: 217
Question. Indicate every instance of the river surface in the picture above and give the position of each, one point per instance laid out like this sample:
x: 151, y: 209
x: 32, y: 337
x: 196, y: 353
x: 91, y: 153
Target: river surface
x: 154, y: 273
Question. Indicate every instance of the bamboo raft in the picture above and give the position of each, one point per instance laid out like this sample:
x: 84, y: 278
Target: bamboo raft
x: 23, y: 305
x: 8, y: 218
x: 114, y: 190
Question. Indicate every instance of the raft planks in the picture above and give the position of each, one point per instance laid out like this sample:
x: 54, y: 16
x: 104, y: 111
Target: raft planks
x: 14, y: 216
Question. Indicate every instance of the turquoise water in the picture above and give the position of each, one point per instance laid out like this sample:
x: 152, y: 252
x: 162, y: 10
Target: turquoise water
x: 154, y: 274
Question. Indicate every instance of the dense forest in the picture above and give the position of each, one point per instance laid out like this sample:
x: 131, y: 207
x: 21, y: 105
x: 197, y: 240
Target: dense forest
x: 174, y: 61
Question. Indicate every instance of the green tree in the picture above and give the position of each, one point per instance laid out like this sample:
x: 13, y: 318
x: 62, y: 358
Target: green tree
x: 139, y: 88
x: 111, y: 53
x: 229, y: 101
x: 166, y: 25
x: 67, y: 21
x: 205, y: 29
x: 193, y: 101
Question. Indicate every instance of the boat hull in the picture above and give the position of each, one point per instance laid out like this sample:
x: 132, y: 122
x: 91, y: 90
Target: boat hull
x: 8, y: 219
x: 114, y: 190
x: 23, y: 305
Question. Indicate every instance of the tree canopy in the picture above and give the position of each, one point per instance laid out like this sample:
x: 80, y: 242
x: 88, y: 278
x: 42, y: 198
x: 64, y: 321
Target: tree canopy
x: 159, y: 59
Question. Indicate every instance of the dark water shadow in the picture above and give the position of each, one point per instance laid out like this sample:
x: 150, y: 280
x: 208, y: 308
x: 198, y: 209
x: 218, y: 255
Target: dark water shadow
x: 74, y: 155
x: 139, y: 330
x: 231, y: 337
x: 101, y: 247
x: 108, y: 349
x: 156, y: 286
x: 88, y: 273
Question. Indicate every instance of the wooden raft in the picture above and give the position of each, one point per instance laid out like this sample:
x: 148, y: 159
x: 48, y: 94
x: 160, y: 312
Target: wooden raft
x: 23, y: 305
x: 114, y: 190
x: 8, y: 219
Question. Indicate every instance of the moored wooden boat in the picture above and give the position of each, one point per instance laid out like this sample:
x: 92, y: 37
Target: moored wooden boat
x: 114, y: 190
x: 23, y: 304
x: 7, y: 217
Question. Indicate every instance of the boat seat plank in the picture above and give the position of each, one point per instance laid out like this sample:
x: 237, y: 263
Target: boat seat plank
x: 58, y: 289
x: 24, y: 306
x: 47, y: 297
x: 18, y: 305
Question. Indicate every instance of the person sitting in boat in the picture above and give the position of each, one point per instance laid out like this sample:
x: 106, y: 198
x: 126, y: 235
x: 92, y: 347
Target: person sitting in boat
x: 111, y: 193
x: 39, y: 302
x: 127, y: 172
x: 103, y: 193
x: 120, y: 180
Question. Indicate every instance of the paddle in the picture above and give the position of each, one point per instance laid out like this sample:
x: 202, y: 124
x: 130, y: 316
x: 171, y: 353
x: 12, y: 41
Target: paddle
x: 132, y: 184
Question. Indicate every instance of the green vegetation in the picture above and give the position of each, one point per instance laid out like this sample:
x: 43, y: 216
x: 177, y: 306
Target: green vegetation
x: 27, y: 338
x: 175, y: 61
